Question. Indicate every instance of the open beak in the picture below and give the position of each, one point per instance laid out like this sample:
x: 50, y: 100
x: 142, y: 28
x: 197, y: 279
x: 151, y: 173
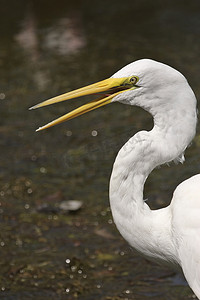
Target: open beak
x: 107, y: 89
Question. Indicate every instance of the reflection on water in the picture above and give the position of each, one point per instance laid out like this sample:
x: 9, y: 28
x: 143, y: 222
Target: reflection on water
x: 49, y: 48
x: 27, y: 37
x: 64, y: 37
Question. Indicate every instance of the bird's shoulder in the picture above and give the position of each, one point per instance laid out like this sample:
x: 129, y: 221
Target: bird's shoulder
x: 187, y: 194
x: 185, y: 209
x: 185, y: 205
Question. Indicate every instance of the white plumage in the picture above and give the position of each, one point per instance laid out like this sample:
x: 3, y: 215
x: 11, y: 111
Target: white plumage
x: 172, y: 234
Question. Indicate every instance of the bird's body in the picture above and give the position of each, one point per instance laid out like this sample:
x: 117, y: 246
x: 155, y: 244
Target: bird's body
x: 172, y: 234
x: 167, y: 141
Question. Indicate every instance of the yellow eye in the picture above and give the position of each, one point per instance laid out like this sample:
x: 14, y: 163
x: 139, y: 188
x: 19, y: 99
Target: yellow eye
x: 134, y: 79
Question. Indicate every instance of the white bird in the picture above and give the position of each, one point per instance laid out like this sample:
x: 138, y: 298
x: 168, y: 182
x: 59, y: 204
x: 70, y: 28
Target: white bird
x: 171, y: 234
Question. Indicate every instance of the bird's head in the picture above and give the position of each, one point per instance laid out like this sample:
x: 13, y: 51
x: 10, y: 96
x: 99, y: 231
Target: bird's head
x: 144, y: 82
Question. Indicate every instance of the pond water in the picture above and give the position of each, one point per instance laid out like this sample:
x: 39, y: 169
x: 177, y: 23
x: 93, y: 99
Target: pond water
x: 50, y: 47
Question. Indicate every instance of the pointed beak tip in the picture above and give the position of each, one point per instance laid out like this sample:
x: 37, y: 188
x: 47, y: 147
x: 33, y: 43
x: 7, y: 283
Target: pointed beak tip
x: 32, y: 107
x: 39, y: 129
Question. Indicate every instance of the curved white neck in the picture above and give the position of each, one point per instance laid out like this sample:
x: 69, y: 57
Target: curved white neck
x: 136, y: 159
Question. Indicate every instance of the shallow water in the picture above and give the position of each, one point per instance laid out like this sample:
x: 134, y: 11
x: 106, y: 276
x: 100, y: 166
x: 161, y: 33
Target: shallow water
x: 47, y: 49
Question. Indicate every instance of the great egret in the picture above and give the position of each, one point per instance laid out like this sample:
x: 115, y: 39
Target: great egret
x: 172, y: 234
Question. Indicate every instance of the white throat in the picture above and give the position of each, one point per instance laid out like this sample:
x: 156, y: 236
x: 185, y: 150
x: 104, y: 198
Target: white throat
x: 134, y: 219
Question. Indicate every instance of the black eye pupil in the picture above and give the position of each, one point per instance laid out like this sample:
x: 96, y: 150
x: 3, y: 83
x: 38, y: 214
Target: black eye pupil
x: 132, y: 79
